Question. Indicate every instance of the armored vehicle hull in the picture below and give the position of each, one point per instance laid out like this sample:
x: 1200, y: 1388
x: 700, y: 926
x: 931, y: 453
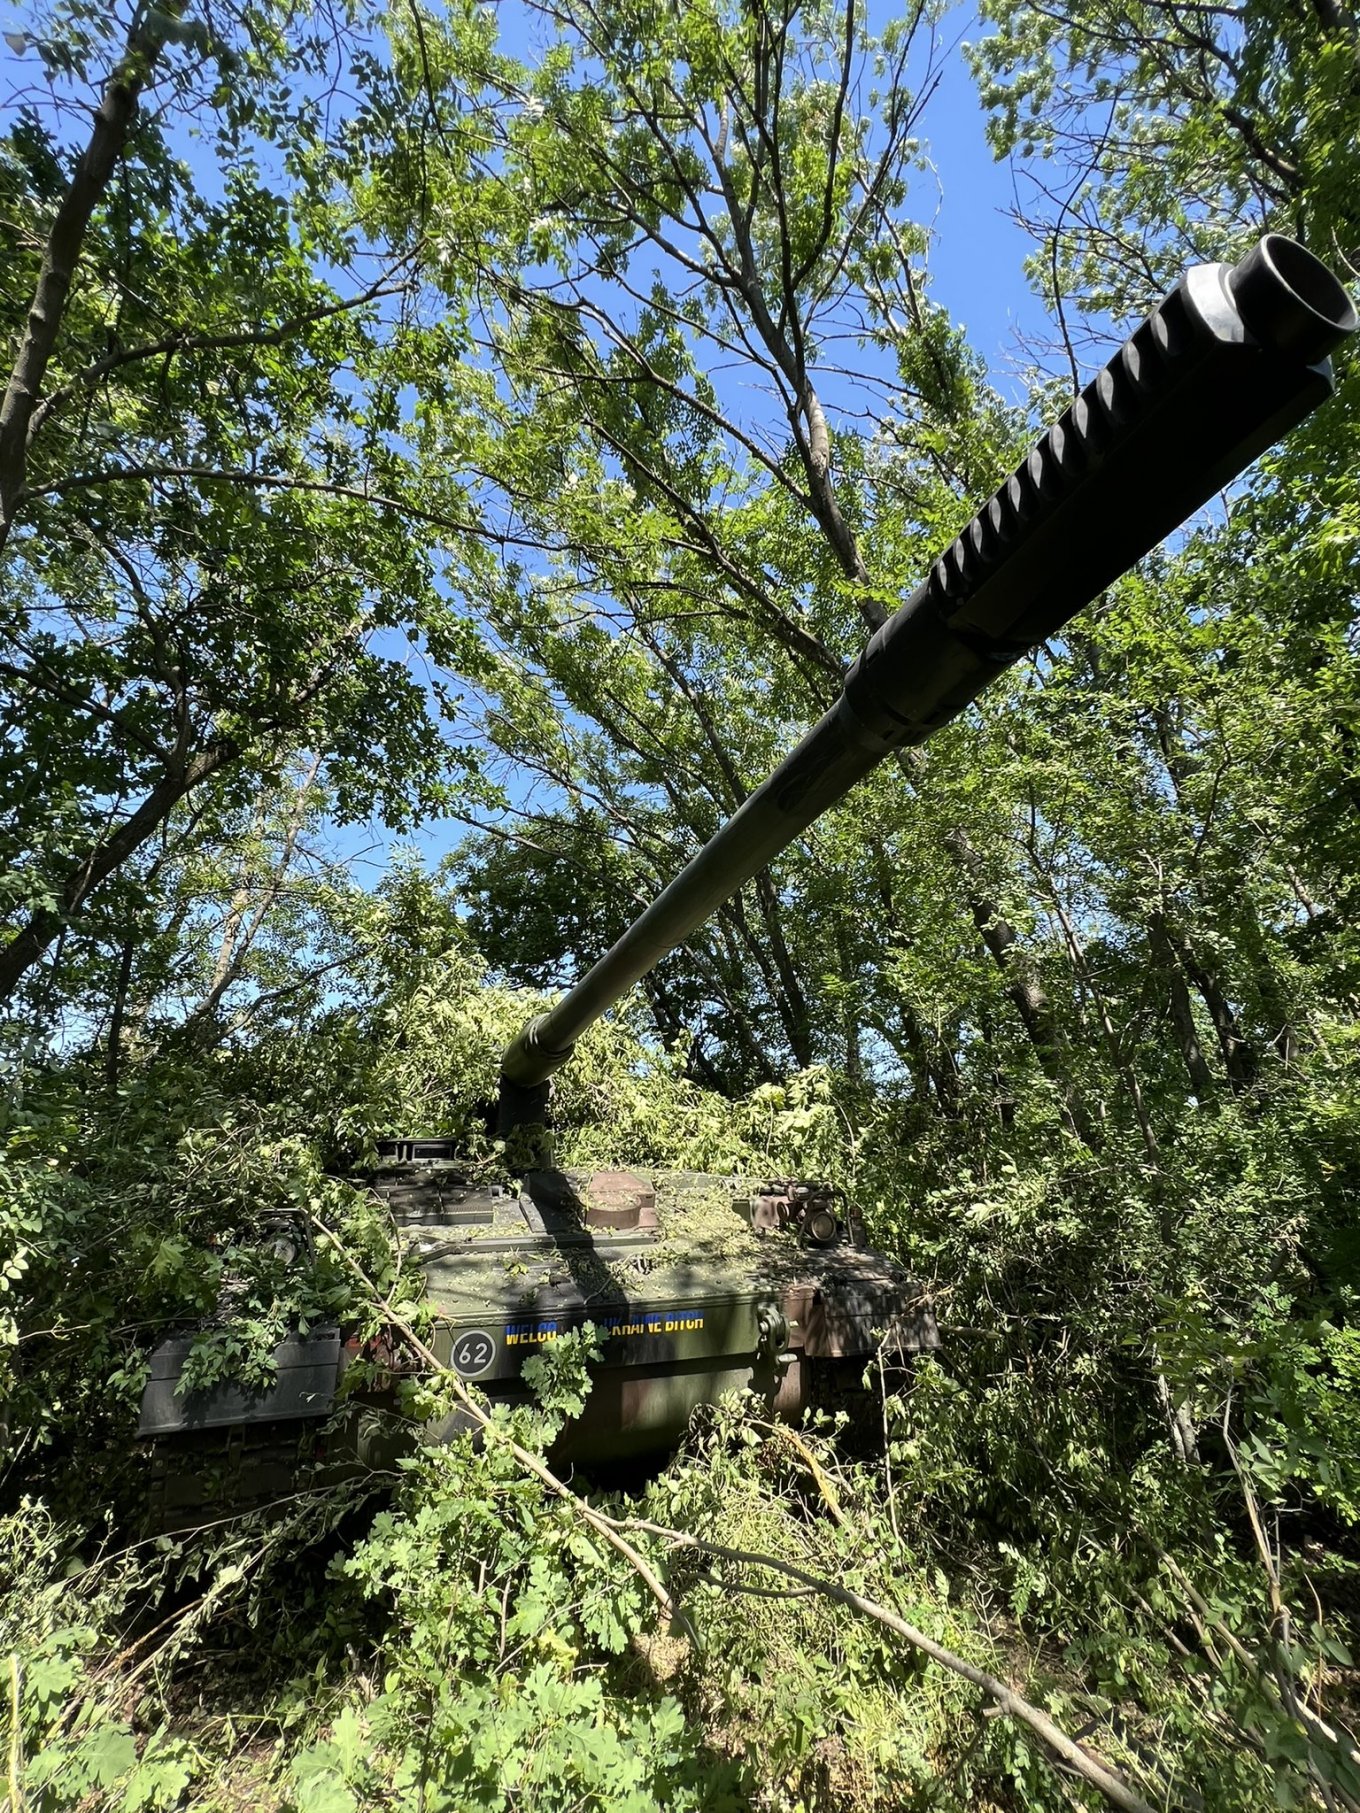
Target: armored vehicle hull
x: 688, y: 1295
x: 694, y: 1285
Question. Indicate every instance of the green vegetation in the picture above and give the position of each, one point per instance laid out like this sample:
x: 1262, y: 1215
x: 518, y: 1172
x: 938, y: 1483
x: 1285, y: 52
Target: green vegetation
x: 404, y: 428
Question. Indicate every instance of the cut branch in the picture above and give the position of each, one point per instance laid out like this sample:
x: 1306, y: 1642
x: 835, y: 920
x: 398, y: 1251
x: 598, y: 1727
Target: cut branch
x: 617, y: 1532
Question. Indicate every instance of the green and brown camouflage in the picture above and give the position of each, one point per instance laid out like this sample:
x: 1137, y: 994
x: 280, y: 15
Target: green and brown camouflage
x: 692, y: 1286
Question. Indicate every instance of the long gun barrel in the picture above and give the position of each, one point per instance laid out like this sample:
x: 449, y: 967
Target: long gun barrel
x: 1227, y: 363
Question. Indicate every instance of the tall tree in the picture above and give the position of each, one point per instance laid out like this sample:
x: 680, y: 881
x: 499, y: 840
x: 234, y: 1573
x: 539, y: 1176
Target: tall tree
x: 721, y: 192
x: 206, y: 499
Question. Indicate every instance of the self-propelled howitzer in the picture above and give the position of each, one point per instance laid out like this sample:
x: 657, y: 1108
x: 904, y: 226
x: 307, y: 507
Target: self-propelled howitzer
x: 689, y: 1292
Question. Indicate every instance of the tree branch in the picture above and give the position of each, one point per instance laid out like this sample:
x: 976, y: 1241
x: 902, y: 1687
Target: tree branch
x: 181, y: 342
x: 617, y: 1530
x: 265, y: 481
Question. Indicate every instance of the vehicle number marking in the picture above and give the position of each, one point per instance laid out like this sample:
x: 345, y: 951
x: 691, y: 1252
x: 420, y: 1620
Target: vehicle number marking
x: 473, y: 1352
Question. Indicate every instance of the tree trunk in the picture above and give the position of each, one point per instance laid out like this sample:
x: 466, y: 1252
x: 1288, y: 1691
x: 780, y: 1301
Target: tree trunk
x: 1241, y: 1061
x: 732, y: 921
x: 28, y: 945
x: 850, y: 1029
x: 114, y: 1054
x: 1182, y: 1013
x: 1285, y: 1017
x: 112, y: 119
x: 1026, y: 991
x: 673, y: 1029
x: 1124, y: 1071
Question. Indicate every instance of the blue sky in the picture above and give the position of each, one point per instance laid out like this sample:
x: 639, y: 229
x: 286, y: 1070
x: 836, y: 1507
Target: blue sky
x: 977, y: 263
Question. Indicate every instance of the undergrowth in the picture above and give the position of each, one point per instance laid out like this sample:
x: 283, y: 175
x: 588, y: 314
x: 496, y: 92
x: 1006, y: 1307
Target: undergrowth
x: 1127, y: 1485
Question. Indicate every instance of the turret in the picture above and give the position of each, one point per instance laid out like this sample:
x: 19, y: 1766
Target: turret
x: 1231, y: 360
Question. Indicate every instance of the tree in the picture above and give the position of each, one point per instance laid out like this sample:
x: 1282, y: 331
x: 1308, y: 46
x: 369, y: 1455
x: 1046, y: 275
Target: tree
x: 1155, y: 135
x: 206, y: 493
